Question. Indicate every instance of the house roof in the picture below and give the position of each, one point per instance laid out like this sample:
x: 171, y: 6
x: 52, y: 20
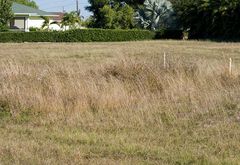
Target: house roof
x: 58, y: 17
x: 19, y: 9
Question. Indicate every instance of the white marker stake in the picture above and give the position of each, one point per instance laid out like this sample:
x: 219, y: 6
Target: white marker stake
x: 230, y: 66
x: 164, y: 60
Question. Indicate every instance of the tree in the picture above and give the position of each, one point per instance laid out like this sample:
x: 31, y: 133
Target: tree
x: 71, y: 19
x: 111, y: 14
x: 125, y: 17
x: 209, y: 18
x: 95, y: 7
x: 46, y: 24
x: 29, y: 3
x: 108, y: 16
x: 156, y: 14
x: 117, y: 17
x: 5, y: 14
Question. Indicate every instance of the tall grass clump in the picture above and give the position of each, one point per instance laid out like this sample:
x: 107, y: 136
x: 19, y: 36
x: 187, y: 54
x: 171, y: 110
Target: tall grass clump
x: 131, y: 88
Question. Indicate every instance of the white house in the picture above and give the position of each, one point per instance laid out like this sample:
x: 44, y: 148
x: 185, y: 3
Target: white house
x: 26, y: 17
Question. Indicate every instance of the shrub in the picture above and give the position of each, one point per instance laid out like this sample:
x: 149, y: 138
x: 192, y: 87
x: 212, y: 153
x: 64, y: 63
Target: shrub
x: 3, y: 28
x: 169, y: 34
x: 107, y: 35
x: 27, y: 37
x: 83, y: 35
x: 34, y: 29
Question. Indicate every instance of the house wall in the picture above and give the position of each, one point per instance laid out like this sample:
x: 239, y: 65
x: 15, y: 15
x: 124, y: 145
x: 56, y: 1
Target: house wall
x: 18, y: 23
x: 25, y: 22
x: 37, y: 22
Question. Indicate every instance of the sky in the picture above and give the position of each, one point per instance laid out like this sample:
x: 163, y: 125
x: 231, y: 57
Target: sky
x: 58, y: 5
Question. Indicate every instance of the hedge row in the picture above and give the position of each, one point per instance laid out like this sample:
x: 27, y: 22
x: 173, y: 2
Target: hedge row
x: 84, y: 35
x: 169, y: 34
x: 90, y: 35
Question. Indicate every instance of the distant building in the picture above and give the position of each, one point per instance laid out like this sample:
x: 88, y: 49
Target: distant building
x: 26, y: 17
x: 58, y: 16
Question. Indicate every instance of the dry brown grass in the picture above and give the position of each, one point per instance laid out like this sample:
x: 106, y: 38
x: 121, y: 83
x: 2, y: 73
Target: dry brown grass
x: 114, y: 103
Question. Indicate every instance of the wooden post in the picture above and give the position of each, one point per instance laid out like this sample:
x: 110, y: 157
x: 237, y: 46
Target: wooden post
x: 230, y: 66
x: 164, y: 60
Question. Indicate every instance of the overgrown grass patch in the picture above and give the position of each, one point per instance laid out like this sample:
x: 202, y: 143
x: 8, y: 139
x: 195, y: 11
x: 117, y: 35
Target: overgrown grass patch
x: 121, y: 104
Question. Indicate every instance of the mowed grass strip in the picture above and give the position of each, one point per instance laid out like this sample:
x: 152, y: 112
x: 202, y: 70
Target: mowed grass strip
x: 116, y: 103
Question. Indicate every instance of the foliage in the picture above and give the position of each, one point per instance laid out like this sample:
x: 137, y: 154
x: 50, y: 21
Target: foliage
x: 29, y: 3
x: 84, y: 35
x: 169, y: 34
x: 89, y: 22
x: 72, y: 20
x: 95, y: 7
x: 117, y: 17
x: 108, y: 17
x: 46, y: 24
x: 5, y: 14
x: 4, y: 28
x: 111, y: 14
x: 209, y: 18
x: 133, y: 3
x: 125, y: 17
x: 34, y: 29
x: 156, y: 14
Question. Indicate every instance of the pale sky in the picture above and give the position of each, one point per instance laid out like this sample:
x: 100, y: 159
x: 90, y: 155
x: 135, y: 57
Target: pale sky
x: 57, y: 5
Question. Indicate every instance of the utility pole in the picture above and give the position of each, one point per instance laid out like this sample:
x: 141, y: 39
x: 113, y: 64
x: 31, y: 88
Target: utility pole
x: 77, y: 7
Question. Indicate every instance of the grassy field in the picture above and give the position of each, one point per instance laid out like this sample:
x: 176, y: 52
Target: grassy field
x: 116, y: 103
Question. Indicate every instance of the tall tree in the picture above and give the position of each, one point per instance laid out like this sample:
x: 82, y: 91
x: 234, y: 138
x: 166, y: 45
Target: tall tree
x: 30, y: 3
x: 5, y: 13
x: 95, y: 7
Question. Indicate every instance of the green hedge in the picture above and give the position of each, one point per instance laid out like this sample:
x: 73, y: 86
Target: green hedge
x: 84, y: 35
x: 169, y: 34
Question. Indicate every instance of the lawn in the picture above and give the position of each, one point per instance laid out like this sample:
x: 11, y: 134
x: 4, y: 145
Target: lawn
x: 117, y: 103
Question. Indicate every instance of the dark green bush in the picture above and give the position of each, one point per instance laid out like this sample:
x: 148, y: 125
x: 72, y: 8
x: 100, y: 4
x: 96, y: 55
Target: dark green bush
x: 84, y: 35
x: 3, y: 28
x: 169, y: 34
